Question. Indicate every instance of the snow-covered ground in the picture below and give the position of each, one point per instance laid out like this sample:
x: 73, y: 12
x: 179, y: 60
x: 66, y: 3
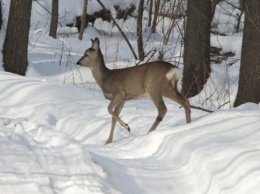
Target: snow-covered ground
x: 54, y: 123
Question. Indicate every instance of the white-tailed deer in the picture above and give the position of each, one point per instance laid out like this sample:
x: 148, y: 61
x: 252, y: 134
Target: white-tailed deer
x: 155, y: 80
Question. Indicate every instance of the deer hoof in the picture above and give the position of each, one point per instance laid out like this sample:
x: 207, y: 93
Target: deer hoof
x: 108, y: 141
x: 128, y: 128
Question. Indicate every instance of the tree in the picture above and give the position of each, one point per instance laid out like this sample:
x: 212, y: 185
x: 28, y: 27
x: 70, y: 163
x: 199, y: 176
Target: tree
x: 1, y: 16
x: 17, y: 34
x: 156, y: 13
x: 172, y: 10
x: 196, y: 47
x: 140, y: 30
x: 118, y: 27
x: 83, y: 19
x: 150, y: 13
x: 54, y: 18
x: 249, y: 78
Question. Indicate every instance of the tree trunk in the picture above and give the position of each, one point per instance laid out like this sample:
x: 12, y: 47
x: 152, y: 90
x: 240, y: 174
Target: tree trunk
x: 83, y: 19
x: 156, y: 13
x: 140, y: 30
x: 213, y: 8
x: 249, y: 78
x: 196, y: 47
x: 54, y: 18
x: 1, y: 16
x: 17, y: 33
x: 150, y: 13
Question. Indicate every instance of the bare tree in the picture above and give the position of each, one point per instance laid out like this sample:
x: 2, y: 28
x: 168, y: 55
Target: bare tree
x: 120, y: 29
x: 249, y: 78
x: 150, y: 13
x: 140, y: 30
x: 54, y: 18
x: 196, y: 47
x: 170, y: 14
x: 83, y: 19
x: 156, y: 13
x: 16, y: 40
x: 1, y: 16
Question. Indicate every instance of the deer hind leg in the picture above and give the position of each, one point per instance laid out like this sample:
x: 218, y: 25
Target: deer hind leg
x: 159, y: 103
x: 176, y: 96
x: 117, y: 111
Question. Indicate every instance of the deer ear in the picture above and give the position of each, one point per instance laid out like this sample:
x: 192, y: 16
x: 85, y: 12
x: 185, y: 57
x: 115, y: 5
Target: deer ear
x: 92, y: 41
x: 95, y: 43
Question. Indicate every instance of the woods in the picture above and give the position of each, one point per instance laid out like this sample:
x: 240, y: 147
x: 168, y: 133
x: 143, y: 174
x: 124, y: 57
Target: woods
x: 92, y: 97
x: 191, y: 23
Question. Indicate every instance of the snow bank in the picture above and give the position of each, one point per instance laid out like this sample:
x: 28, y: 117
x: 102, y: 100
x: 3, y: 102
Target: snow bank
x: 52, y: 141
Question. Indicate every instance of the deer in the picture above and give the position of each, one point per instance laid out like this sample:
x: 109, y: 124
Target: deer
x: 153, y: 80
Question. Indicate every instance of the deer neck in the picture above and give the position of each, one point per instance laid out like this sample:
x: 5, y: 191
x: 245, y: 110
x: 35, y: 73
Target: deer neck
x: 100, y: 72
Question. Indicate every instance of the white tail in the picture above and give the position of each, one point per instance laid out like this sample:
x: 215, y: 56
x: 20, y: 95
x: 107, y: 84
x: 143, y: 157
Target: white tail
x: 155, y: 80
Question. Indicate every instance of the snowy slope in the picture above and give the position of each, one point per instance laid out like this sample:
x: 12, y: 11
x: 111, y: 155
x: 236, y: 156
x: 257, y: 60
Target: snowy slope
x: 52, y: 141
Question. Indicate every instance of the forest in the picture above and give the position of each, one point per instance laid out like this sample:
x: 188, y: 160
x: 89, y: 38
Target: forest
x: 55, y: 113
x: 184, y: 29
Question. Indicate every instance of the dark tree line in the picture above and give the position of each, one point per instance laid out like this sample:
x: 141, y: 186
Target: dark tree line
x: 196, y: 43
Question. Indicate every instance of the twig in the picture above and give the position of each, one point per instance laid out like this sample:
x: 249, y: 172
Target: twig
x: 121, y: 31
x: 43, y: 7
x: 153, y: 50
x: 224, y: 104
x: 233, y: 5
x: 199, y: 108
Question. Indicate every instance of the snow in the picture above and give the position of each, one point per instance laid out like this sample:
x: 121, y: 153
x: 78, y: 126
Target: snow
x: 69, y: 10
x: 54, y: 124
x: 52, y: 141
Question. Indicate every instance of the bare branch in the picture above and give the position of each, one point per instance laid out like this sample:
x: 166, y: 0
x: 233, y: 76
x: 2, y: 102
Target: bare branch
x: 121, y: 31
x: 199, y: 108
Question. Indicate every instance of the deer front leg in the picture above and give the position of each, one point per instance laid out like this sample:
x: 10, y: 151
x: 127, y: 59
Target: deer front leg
x: 117, y: 98
x: 117, y: 111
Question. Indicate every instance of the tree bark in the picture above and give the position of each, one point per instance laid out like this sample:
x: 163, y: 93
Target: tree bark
x: 1, y: 16
x: 140, y: 30
x: 15, y: 48
x: 54, y: 18
x: 150, y: 13
x: 83, y: 19
x: 156, y: 13
x: 213, y: 8
x: 196, y: 47
x: 249, y: 77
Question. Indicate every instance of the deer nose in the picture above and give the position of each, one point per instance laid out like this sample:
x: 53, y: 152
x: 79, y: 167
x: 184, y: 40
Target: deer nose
x: 78, y: 63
